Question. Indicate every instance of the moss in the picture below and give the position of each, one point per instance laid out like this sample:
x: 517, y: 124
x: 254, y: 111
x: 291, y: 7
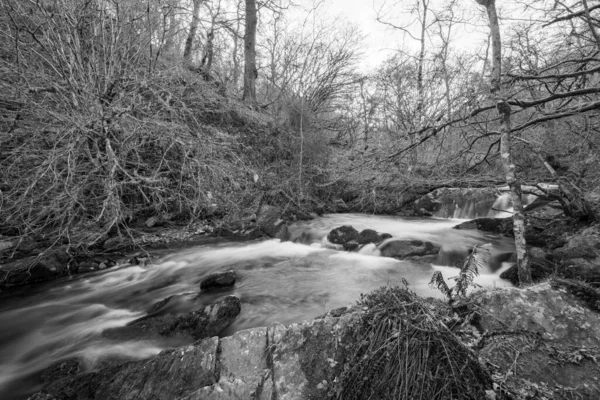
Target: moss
x: 587, y: 294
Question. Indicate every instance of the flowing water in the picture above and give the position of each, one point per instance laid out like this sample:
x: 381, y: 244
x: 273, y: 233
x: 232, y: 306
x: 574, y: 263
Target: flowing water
x: 286, y: 282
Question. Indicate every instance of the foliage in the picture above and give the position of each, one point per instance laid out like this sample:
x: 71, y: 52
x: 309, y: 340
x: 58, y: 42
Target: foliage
x: 469, y: 270
x: 403, y: 351
x: 99, y: 131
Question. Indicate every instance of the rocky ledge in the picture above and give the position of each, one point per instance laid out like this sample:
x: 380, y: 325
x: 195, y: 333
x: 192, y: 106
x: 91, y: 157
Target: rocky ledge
x: 536, y: 343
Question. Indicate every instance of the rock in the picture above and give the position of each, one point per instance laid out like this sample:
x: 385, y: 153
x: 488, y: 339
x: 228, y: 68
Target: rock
x: 350, y: 195
x: 340, y: 206
x: 540, y: 267
x: 456, y: 202
x: 87, y: 266
x: 370, y: 236
x: 60, y: 370
x: 196, y: 325
x: 244, y: 372
x: 494, y: 225
x: 218, y: 280
x: 47, y: 266
x: 153, y: 221
x: 540, y: 337
x: 580, y: 256
x: 351, y: 245
x: 116, y: 243
x: 342, y: 234
x: 401, y: 249
x: 427, y: 206
x: 172, y: 374
x: 270, y: 222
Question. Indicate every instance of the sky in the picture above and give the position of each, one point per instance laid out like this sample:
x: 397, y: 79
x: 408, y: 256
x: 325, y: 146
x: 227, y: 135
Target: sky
x: 382, y: 41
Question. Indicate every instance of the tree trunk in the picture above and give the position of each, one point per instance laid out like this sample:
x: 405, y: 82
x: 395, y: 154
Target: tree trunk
x: 250, y: 72
x: 189, y: 43
x: 505, y: 143
x: 420, y: 89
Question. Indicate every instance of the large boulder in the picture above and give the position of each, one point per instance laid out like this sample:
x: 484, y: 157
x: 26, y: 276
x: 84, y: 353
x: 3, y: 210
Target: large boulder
x: 402, y: 249
x: 580, y: 256
x: 261, y: 363
x: 541, y: 267
x: 206, y: 322
x: 542, y: 340
x: 171, y: 374
x: 342, y: 235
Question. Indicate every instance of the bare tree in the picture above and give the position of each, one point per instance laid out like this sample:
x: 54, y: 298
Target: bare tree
x: 189, y: 43
x: 250, y: 71
x: 504, y: 110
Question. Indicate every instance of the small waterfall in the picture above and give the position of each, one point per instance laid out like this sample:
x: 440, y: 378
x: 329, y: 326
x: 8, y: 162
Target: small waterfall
x: 503, y: 208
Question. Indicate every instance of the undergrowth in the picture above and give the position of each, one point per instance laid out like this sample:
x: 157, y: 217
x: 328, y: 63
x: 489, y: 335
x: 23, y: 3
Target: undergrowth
x: 403, y: 350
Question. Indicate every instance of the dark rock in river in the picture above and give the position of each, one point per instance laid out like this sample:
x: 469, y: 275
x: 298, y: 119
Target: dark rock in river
x: 218, y: 280
x: 370, y: 236
x: 351, y: 239
x: 199, y: 324
x: 494, y: 225
x: 401, y: 249
x: 342, y: 234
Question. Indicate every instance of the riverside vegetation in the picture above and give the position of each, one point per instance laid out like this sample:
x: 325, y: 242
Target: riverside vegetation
x: 127, y: 126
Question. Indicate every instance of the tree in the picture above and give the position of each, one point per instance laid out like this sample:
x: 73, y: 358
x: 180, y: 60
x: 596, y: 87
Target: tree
x: 250, y: 71
x: 504, y: 110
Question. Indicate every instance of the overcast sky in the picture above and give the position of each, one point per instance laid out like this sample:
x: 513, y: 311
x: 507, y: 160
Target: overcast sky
x: 382, y: 41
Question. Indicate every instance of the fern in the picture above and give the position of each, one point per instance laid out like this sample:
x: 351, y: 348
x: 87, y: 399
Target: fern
x: 478, y: 258
x: 437, y: 280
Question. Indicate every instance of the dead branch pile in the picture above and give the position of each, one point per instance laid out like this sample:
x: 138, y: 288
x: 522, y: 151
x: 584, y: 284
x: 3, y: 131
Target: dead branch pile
x: 402, y: 350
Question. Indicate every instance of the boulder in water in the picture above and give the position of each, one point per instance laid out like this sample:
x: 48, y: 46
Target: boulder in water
x: 370, y: 236
x: 351, y: 239
x: 401, y: 249
x: 218, y: 280
x: 198, y: 324
x: 342, y: 235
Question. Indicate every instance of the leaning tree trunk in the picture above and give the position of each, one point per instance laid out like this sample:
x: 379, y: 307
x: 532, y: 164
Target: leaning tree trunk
x: 505, y: 143
x: 250, y: 72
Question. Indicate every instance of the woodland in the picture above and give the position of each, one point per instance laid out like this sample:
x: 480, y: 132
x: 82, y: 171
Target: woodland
x: 116, y: 111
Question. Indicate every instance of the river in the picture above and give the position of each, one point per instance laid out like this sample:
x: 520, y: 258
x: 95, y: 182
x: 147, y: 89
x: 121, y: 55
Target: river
x: 286, y: 282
